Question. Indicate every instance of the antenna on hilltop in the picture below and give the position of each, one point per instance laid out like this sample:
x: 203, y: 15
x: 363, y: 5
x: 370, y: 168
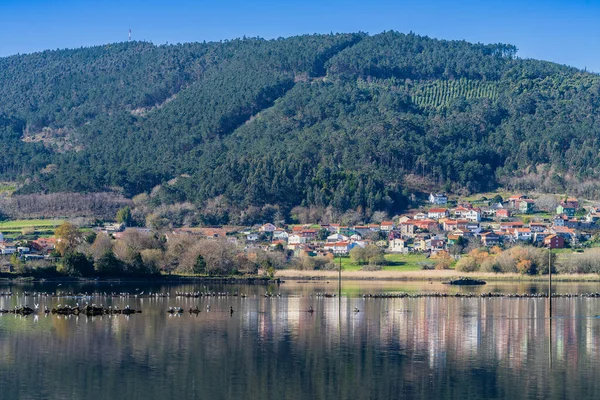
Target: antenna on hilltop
x: 130, y: 35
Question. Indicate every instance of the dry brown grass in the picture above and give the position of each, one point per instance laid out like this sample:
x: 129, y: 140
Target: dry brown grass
x: 436, y: 275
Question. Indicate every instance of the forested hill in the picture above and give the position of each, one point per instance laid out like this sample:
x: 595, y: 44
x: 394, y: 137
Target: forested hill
x: 347, y: 120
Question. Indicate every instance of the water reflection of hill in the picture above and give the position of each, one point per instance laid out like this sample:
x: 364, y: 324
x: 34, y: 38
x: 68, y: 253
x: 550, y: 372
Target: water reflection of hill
x: 273, y: 348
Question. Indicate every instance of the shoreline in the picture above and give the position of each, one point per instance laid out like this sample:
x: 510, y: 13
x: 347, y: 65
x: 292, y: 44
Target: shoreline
x: 429, y: 275
x: 301, y: 275
x: 164, y: 279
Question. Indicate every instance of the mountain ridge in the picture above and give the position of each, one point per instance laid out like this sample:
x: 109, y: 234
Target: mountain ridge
x: 316, y: 120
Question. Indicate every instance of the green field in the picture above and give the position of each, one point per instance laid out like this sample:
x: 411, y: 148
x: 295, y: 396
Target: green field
x: 535, y: 216
x: 39, y: 225
x: 395, y: 262
x: 7, y: 188
x: 488, y: 195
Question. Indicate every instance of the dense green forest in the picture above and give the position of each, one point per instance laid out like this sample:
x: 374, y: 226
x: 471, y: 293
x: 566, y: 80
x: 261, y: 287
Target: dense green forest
x: 350, y: 121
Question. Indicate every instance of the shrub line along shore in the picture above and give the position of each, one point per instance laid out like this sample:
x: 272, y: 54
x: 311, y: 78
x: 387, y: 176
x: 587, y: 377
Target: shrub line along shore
x: 429, y: 275
x: 331, y: 275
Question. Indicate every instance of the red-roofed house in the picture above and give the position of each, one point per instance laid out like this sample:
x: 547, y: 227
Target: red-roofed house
x: 427, y: 224
x: 44, y: 245
x: 514, y: 201
x: 571, y: 202
x: 450, y: 225
x: 309, y: 233
x: 511, y: 225
x: 566, y: 233
x: 503, y: 213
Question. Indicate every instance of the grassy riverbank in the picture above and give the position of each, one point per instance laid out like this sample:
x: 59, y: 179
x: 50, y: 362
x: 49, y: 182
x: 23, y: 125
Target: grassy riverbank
x: 426, y: 275
x: 293, y: 274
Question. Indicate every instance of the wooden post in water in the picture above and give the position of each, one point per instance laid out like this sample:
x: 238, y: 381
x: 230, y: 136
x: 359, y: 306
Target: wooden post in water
x: 550, y: 307
x: 550, y: 282
x: 550, y: 342
x: 340, y: 280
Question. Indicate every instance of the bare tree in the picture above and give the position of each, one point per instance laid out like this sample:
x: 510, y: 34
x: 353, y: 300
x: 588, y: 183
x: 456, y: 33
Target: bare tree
x: 547, y: 202
x: 102, y: 245
x: 153, y: 259
x: 98, y: 205
x: 379, y: 216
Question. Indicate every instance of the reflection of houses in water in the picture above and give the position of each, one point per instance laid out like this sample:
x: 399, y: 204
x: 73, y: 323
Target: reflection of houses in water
x: 425, y: 341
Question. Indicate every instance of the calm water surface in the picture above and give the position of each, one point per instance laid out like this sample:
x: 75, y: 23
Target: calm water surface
x: 272, y: 348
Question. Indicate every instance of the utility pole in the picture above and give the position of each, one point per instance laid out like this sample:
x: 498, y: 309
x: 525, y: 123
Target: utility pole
x: 130, y: 35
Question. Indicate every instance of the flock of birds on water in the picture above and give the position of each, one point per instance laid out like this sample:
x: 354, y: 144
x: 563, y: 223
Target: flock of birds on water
x: 88, y: 310
x: 98, y: 310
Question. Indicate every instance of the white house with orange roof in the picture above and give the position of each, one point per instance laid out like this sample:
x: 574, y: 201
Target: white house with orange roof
x: 450, y: 224
x: 523, y: 234
x: 387, y: 226
x: 296, y: 239
x: 472, y: 215
x: 460, y: 211
x: 437, y: 213
x: 375, y: 227
x: 538, y: 226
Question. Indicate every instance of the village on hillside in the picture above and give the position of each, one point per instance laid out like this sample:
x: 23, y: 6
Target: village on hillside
x: 435, y: 228
x: 439, y: 227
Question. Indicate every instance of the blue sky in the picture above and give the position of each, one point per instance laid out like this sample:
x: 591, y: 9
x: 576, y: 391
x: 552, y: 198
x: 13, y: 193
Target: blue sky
x: 567, y: 32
